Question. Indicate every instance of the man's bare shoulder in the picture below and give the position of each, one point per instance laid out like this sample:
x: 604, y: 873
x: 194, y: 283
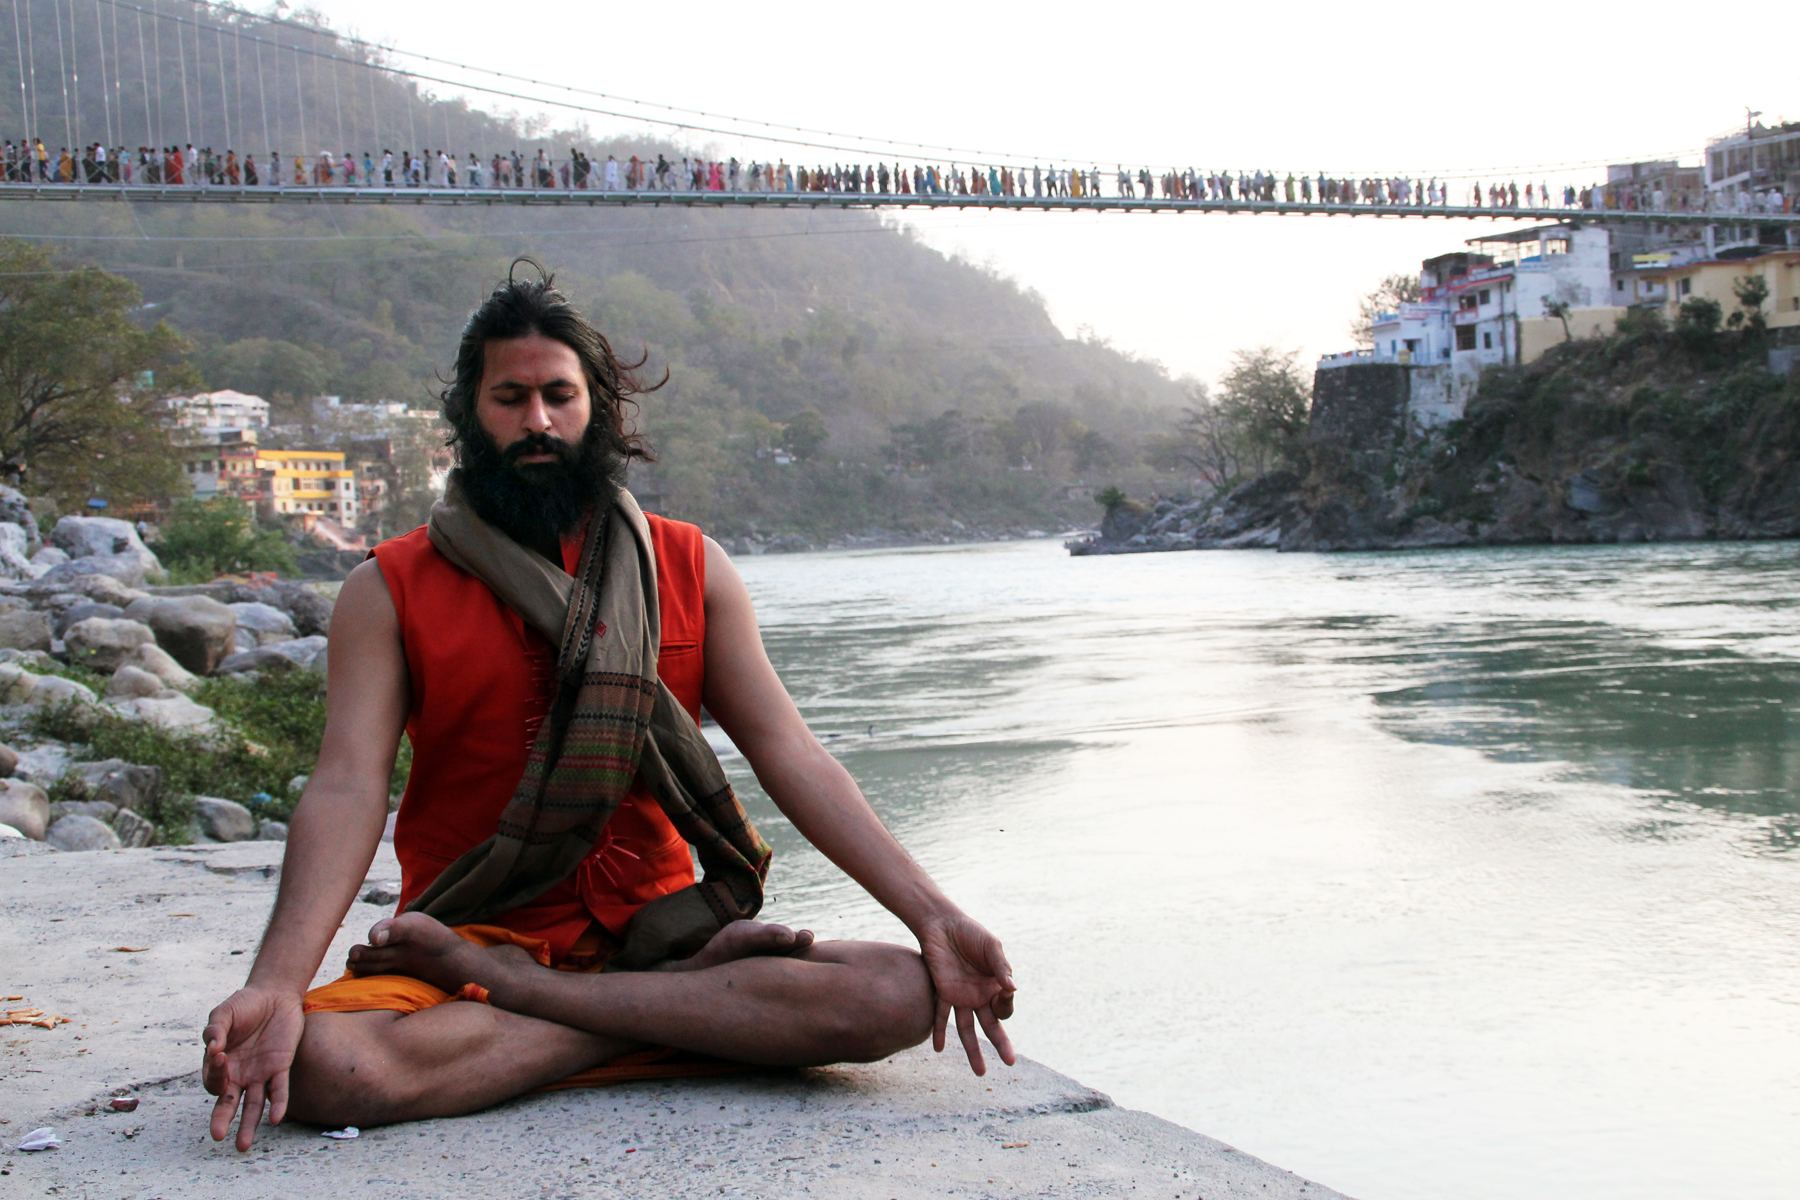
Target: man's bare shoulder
x: 364, y: 602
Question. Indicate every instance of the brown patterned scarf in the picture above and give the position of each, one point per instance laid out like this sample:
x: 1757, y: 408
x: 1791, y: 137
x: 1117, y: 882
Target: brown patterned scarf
x: 612, y: 722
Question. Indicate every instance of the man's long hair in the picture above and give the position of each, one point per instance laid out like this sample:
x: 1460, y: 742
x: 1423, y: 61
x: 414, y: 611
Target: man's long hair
x: 519, y: 308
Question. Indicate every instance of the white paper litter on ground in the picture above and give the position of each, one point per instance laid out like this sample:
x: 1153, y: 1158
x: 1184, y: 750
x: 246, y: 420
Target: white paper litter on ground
x: 41, y: 1139
x: 344, y: 1134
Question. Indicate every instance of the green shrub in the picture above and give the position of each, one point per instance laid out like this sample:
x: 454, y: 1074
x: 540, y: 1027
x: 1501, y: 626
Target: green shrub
x: 204, y: 539
x: 279, y: 719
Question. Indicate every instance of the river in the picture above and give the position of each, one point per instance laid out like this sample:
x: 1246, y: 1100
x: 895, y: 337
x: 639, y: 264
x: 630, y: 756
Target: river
x: 1469, y: 873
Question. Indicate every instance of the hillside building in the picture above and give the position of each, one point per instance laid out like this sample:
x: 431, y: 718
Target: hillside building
x: 210, y: 415
x: 304, y: 485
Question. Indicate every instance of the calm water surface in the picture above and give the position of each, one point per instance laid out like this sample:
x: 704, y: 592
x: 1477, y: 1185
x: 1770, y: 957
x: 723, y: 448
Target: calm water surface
x: 1465, y: 873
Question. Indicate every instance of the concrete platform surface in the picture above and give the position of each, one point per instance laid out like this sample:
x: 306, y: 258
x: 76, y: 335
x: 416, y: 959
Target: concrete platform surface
x: 136, y: 945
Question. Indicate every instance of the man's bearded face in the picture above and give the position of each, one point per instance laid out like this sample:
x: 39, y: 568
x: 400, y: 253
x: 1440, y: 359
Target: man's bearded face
x: 537, y: 502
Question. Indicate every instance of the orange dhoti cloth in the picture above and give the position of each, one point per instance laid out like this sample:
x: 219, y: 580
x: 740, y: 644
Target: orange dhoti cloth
x: 403, y: 994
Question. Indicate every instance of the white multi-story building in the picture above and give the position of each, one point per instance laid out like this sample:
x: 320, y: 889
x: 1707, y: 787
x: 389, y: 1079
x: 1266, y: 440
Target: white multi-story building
x: 1490, y: 306
x: 210, y: 414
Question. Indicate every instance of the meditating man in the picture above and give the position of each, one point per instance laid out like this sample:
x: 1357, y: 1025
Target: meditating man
x: 548, y: 649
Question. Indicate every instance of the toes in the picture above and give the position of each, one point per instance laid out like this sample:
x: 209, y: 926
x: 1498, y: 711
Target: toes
x: 380, y: 931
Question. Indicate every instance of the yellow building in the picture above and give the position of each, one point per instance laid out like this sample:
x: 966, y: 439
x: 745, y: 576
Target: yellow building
x: 319, y: 483
x: 1715, y: 280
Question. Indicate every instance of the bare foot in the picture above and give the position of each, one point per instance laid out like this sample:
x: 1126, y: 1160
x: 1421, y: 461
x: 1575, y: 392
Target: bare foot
x: 743, y: 939
x: 422, y: 947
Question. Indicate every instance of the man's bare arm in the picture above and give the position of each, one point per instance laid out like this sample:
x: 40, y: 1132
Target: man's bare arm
x: 251, y: 1038
x: 817, y: 794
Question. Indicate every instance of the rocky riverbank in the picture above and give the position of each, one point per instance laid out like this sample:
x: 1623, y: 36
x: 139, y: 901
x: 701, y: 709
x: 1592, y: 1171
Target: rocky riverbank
x: 1652, y: 435
x: 133, y: 946
x: 86, y: 633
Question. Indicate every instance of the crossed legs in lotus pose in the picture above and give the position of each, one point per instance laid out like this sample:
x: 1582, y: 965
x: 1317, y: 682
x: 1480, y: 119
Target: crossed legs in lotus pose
x: 756, y: 993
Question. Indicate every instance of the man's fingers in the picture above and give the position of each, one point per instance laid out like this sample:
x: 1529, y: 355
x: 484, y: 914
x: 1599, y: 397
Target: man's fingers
x: 990, y: 1024
x: 1003, y: 1005
x: 965, y: 1029
x: 938, y: 1023
x: 251, y: 1117
x: 278, y: 1097
x: 224, y: 1108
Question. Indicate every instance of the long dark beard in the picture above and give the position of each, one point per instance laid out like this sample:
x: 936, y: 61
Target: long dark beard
x: 536, y: 504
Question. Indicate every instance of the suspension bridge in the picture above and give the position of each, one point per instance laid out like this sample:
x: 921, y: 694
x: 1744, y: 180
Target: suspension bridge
x: 576, y: 197
x: 101, y: 77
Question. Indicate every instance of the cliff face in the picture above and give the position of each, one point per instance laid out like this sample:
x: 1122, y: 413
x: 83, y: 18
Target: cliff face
x: 1652, y: 435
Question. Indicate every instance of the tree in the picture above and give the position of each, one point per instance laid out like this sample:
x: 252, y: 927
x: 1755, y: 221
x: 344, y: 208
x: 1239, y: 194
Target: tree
x: 1266, y: 402
x: 1204, y: 441
x: 806, y: 435
x: 80, y: 406
x: 1389, y: 295
x: 1751, y: 292
x: 203, y: 539
x: 1560, y: 310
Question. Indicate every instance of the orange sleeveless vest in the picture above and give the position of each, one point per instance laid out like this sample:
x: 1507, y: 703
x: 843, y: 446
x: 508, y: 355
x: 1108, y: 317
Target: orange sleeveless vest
x: 481, y: 687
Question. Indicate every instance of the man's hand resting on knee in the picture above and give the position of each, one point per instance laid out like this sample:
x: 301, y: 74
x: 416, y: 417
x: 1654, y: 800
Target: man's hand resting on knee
x: 250, y: 1044
x: 973, y: 980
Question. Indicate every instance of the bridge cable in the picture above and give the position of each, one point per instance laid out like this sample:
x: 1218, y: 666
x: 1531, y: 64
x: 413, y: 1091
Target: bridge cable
x: 119, y: 85
x: 19, y: 45
x: 224, y: 100
x: 144, y: 71
x: 263, y: 97
x: 300, y: 95
x: 237, y: 79
x: 105, y: 96
x: 156, y: 45
x: 62, y: 69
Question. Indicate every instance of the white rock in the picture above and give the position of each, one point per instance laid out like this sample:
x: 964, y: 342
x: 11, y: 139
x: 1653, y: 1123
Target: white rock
x: 7, y: 831
x: 160, y: 663
x: 168, y: 710
x: 15, y: 561
x: 16, y: 684
x: 105, y: 644
x: 130, y: 683
x: 267, y: 622
x: 84, y: 536
x: 49, y: 556
x: 77, y: 832
x: 26, y: 807
x: 54, y: 689
x: 271, y: 831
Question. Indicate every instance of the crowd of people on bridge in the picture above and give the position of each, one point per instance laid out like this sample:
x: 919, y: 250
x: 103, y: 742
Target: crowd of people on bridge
x: 29, y: 161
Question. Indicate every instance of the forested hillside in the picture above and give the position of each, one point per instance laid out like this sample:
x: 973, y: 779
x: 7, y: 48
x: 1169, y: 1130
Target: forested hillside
x: 941, y: 391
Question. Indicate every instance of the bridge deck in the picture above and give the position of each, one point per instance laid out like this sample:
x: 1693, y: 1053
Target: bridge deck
x: 579, y: 198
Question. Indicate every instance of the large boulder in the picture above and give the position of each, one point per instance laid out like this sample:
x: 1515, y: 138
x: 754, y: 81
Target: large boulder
x: 158, y: 662
x: 9, y: 760
x: 117, y: 782
x: 310, y: 612
x: 49, y: 556
x: 100, y: 810
x: 80, y: 612
x: 25, y: 629
x: 76, y: 832
x: 26, y: 807
x: 105, y: 644
x: 54, y: 689
x: 224, y: 820
x: 199, y: 633
x: 128, y: 569
x: 15, y: 557
x: 81, y: 537
x: 98, y: 588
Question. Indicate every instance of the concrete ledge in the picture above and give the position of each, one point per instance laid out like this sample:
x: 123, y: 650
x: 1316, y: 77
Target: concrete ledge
x: 916, y: 1125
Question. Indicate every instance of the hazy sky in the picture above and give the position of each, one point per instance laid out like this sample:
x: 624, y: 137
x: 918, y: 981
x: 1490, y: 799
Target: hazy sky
x: 1452, y: 91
